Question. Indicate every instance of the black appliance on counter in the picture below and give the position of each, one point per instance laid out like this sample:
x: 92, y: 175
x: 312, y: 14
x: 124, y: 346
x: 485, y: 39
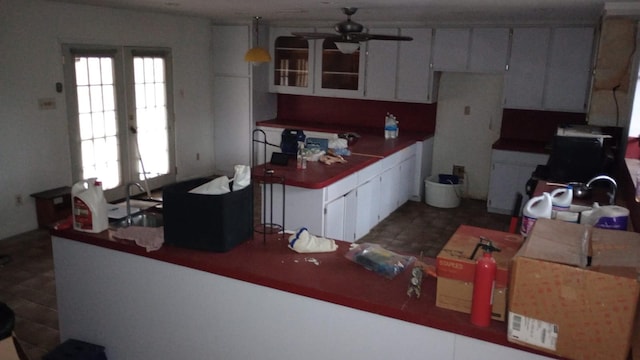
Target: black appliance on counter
x: 578, y: 153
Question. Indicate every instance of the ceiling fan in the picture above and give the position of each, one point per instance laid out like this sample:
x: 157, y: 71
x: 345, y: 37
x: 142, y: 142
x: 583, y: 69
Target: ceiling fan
x: 349, y: 34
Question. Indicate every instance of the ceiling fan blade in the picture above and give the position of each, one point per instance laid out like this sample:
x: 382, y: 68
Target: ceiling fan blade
x: 315, y: 35
x: 389, y: 37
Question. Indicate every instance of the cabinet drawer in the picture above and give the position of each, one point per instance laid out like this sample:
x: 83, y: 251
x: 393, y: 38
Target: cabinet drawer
x: 369, y: 172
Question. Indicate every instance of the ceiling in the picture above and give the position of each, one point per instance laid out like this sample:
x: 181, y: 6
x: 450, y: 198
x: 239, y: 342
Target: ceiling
x: 423, y: 12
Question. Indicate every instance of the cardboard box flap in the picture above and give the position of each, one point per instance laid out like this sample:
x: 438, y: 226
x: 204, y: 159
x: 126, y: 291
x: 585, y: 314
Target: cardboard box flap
x: 555, y: 241
x: 615, y: 248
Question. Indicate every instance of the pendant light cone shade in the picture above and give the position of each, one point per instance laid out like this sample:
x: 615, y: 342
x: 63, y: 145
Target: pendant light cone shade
x: 257, y: 54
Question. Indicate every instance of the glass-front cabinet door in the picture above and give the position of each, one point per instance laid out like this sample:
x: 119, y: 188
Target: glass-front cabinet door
x: 338, y: 73
x: 292, y: 65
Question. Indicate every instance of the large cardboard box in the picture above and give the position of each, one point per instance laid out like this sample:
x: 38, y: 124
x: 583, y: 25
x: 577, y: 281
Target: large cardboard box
x: 560, y: 305
x: 456, y: 269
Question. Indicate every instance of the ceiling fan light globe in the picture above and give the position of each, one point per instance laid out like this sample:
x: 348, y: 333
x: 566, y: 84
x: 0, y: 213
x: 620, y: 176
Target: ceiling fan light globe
x: 347, y: 47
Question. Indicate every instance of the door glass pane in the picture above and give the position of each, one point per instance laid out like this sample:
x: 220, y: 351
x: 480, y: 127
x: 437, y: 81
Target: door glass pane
x: 151, y: 116
x: 97, y: 120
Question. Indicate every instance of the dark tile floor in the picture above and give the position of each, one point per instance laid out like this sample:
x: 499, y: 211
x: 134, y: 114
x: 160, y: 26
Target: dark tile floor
x: 27, y: 283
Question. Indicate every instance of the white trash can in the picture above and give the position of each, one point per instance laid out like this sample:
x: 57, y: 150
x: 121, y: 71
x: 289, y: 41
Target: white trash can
x: 441, y: 195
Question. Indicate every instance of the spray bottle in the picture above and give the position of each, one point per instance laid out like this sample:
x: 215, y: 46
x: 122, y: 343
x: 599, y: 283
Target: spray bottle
x: 483, y: 283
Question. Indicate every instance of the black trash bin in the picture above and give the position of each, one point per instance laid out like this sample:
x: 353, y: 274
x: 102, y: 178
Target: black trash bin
x: 73, y: 349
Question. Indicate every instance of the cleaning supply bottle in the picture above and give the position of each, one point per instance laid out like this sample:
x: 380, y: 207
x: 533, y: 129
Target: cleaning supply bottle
x: 89, y: 207
x: 536, y: 208
x: 561, y: 198
x: 484, y: 282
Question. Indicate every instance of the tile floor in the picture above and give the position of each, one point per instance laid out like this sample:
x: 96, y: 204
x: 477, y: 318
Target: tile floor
x: 27, y: 283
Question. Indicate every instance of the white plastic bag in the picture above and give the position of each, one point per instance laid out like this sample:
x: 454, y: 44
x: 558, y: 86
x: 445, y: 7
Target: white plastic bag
x: 242, y: 177
x: 216, y: 186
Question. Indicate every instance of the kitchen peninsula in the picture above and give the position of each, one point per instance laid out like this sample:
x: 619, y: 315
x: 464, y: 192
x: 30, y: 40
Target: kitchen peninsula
x: 258, y: 301
x: 345, y: 200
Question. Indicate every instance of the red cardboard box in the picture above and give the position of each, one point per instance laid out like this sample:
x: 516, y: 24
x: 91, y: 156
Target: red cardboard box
x: 559, y: 305
x: 456, y: 269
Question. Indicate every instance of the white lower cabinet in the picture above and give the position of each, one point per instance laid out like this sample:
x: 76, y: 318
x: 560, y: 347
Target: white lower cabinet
x: 349, y: 208
x: 510, y: 171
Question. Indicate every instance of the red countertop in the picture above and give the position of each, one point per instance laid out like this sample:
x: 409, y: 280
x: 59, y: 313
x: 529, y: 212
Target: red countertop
x: 324, y: 276
x: 366, y: 151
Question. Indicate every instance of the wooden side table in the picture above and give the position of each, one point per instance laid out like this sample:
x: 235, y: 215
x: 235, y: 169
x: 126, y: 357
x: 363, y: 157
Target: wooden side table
x: 52, y: 205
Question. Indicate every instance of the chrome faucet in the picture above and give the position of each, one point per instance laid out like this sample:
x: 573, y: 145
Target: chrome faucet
x: 614, y: 186
x: 129, y: 199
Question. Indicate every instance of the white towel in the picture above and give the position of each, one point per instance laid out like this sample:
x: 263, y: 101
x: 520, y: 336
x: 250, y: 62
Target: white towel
x: 303, y: 242
x: 149, y: 238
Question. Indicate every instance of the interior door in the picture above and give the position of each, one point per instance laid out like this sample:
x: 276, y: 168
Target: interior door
x: 468, y: 122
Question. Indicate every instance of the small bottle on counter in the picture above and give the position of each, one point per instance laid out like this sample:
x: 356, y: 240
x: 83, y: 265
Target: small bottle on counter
x: 301, y: 161
x: 638, y: 187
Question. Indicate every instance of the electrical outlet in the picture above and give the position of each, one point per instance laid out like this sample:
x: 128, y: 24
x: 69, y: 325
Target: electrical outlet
x: 18, y: 200
x: 467, y: 110
x: 458, y: 170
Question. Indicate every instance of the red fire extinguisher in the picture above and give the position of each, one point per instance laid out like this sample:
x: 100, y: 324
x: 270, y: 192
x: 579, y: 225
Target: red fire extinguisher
x: 483, y: 284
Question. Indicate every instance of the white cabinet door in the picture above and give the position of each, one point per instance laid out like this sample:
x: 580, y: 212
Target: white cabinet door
x: 407, y: 173
x: 488, y: 50
x: 451, y: 49
x: 388, y: 194
x: 367, y: 204
x: 510, y: 171
x: 524, y: 81
x: 350, y: 215
x: 414, y: 66
x: 381, y: 65
x: 291, y: 70
x: 334, y: 219
x: 569, y: 69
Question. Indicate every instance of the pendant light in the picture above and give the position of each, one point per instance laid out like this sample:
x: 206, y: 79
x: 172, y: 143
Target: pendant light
x: 257, y: 54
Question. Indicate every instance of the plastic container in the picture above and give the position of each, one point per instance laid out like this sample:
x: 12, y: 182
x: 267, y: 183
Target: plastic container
x: 539, y: 207
x: 390, y: 127
x: 561, y: 198
x: 441, y: 195
x: 610, y: 217
x: 89, y: 207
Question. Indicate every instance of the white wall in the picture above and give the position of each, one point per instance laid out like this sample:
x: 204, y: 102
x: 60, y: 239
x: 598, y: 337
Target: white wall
x: 466, y: 139
x: 34, y: 150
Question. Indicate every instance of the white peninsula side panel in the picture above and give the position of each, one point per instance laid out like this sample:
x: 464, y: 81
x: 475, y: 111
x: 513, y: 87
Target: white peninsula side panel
x: 145, y: 309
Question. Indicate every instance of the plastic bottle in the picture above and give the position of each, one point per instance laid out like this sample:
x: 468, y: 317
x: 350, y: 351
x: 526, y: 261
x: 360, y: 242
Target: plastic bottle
x: 561, y: 198
x: 89, y: 206
x: 390, y: 127
x: 301, y: 162
x: 536, y: 208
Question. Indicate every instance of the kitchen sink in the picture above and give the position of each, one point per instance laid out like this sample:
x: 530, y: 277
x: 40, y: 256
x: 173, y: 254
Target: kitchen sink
x: 144, y: 219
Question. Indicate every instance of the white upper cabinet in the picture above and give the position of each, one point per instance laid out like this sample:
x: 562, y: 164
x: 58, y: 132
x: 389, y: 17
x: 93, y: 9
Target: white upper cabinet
x: 569, y: 70
x: 549, y: 69
x: 524, y: 81
x: 414, y: 80
x: 451, y: 49
x: 381, y: 65
x: 473, y: 50
x: 488, y: 50
x: 291, y: 68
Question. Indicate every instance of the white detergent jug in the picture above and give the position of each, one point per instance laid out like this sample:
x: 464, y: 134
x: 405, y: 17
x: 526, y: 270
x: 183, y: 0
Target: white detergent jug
x: 536, y: 208
x: 561, y: 198
x: 89, y: 206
